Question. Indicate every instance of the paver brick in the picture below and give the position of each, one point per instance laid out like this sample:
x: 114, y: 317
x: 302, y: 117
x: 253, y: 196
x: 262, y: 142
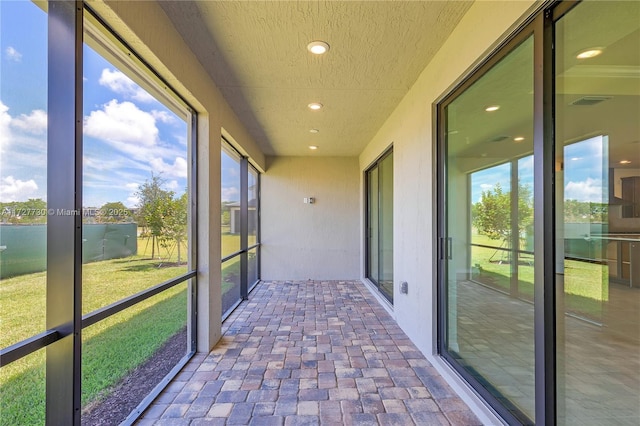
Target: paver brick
x: 310, y: 353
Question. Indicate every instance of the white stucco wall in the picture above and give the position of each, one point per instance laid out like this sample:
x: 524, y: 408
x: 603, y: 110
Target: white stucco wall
x: 318, y: 241
x: 411, y: 130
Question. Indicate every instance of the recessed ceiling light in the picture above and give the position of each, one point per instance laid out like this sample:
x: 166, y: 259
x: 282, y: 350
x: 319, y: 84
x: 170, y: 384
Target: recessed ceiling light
x: 313, y: 147
x: 589, y: 53
x: 518, y: 139
x: 318, y: 47
x: 315, y: 106
x: 492, y: 108
x: 625, y: 162
x: 314, y: 131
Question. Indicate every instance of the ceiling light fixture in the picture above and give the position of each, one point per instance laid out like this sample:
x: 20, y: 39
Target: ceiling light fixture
x: 518, y: 139
x: 625, y: 162
x: 590, y: 53
x: 313, y: 147
x: 492, y: 108
x: 318, y: 47
x: 314, y: 131
x: 315, y: 106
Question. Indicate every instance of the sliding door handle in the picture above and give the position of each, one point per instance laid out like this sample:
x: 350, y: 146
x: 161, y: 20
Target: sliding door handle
x: 446, y: 248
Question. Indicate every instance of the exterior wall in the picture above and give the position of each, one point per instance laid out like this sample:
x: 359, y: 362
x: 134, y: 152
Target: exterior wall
x: 411, y: 131
x: 310, y: 241
x: 150, y: 33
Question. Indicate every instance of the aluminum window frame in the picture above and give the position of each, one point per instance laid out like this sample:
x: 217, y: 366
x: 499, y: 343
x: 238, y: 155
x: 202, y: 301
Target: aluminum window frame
x: 367, y: 220
x: 67, y: 22
x: 245, y: 167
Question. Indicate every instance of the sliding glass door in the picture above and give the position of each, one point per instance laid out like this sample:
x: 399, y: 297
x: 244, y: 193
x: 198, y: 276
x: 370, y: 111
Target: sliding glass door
x: 488, y: 273
x: 539, y: 220
x: 379, y: 181
x: 597, y: 122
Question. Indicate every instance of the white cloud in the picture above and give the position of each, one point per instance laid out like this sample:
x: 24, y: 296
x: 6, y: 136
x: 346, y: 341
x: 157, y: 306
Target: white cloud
x: 5, y: 131
x: 177, y: 169
x: 35, y: 123
x: 163, y: 116
x: 124, y: 126
x: 123, y: 85
x: 132, y: 201
x: 486, y: 186
x: 16, y: 190
x: 588, y: 190
x: 229, y: 194
x: 22, y: 138
x: 13, y: 54
x: 172, y: 185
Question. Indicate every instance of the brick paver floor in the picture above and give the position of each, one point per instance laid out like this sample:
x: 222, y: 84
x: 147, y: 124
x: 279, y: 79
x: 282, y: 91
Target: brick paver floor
x: 310, y: 353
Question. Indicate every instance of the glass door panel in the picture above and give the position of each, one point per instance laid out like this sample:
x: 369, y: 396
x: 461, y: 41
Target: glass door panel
x: 598, y: 213
x: 385, y: 254
x: 487, y: 241
x: 380, y: 224
x: 373, y: 260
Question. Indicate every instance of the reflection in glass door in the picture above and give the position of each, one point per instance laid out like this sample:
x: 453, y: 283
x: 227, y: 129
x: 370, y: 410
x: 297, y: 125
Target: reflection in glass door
x: 486, y: 247
x: 597, y: 213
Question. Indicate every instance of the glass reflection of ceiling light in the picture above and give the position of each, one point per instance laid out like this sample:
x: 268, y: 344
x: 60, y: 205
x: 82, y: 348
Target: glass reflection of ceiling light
x: 315, y: 106
x: 576, y: 158
x: 313, y: 147
x: 314, y: 131
x: 318, y: 47
x: 518, y: 139
x: 589, y: 53
x: 492, y: 108
x: 625, y: 162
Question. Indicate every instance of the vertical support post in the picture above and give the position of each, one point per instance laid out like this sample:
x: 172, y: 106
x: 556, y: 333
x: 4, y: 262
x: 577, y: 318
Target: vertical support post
x: 192, y: 243
x: 244, y: 226
x: 258, y: 224
x: 544, y: 223
x: 64, y: 222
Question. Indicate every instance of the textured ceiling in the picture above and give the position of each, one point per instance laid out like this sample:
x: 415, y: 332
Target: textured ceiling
x: 256, y: 53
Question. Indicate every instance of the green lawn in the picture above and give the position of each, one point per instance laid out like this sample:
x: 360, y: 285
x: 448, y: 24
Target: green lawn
x: 586, y: 284
x: 231, y: 242
x: 111, y: 348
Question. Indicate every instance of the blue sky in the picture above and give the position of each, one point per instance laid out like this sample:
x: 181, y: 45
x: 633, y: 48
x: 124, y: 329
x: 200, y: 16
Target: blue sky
x: 586, y: 170
x: 585, y: 173
x: 230, y: 178
x: 127, y: 133
x: 485, y: 180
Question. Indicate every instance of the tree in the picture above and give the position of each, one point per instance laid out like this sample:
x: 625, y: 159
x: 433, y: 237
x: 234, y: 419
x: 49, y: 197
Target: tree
x: 225, y: 219
x: 492, y: 214
x: 175, y: 222
x: 585, y: 212
x: 152, y: 205
x: 113, y: 212
x: 32, y: 211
